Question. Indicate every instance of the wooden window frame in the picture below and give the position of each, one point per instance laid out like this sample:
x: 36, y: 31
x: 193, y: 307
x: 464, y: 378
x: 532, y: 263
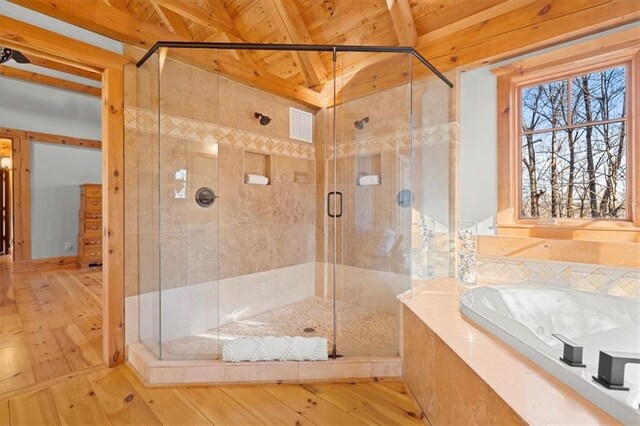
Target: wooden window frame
x: 613, y: 50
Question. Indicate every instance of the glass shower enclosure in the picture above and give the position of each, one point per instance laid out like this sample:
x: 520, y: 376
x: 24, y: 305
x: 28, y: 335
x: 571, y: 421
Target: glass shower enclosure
x: 245, y: 230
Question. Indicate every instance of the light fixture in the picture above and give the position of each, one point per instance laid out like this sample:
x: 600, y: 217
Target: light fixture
x: 264, y: 120
x: 5, y: 163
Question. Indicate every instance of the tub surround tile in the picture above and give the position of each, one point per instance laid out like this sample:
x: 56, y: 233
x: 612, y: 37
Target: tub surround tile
x: 476, y: 378
x: 598, y: 278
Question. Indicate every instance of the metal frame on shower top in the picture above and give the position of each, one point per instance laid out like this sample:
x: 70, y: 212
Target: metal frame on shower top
x: 293, y: 47
x: 317, y: 48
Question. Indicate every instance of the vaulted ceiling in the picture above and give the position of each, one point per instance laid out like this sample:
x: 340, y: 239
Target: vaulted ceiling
x: 449, y: 33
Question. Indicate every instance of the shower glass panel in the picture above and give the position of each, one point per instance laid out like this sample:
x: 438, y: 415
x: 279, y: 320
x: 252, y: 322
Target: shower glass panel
x: 188, y: 210
x: 372, y: 162
x: 321, y: 249
x: 148, y: 139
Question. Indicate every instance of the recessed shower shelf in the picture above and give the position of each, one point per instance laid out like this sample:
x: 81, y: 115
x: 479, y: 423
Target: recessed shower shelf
x: 369, y: 170
x: 257, y: 163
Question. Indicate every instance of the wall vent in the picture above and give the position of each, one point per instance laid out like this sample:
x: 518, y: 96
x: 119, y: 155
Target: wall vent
x: 300, y: 125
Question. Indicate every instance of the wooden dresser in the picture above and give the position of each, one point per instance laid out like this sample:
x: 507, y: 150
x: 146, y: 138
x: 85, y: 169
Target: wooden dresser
x: 90, y: 232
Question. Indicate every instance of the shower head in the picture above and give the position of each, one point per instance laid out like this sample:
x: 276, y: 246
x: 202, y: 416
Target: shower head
x: 359, y: 124
x: 264, y: 120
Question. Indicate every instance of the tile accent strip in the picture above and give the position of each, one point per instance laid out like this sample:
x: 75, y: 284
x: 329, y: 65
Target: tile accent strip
x: 200, y: 131
x: 598, y: 278
x: 424, y: 136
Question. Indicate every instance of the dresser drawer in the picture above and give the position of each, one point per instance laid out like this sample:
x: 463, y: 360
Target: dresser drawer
x: 93, y: 226
x: 93, y: 215
x: 93, y: 204
x: 92, y: 254
x: 92, y: 241
x: 93, y: 191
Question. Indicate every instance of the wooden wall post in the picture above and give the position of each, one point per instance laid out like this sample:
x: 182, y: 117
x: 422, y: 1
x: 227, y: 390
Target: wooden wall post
x: 113, y: 214
x: 21, y: 199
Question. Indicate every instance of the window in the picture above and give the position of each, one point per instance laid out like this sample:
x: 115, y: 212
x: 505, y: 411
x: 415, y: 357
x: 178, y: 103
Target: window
x: 568, y: 149
x: 574, y: 146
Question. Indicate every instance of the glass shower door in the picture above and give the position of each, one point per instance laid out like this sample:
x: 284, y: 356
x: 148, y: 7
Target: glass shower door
x: 371, y: 179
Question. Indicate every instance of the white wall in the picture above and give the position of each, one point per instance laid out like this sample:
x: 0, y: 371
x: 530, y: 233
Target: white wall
x: 57, y: 171
x: 478, y: 139
x: 45, y: 109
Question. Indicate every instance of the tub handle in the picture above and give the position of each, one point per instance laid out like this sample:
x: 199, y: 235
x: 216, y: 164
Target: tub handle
x: 611, y: 368
x: 571, y: 351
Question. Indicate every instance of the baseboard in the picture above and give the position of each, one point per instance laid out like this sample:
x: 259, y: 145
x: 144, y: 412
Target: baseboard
x: 45, y: 263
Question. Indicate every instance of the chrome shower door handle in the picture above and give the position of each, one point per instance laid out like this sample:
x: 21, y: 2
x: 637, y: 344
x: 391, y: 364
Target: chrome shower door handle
x: 329, y: 198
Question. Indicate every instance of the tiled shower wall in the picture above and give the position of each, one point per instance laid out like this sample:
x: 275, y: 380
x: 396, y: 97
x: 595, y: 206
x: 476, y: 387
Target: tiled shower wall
x: 261, y: 247
x: 243, y: 254
x: 376, y: 239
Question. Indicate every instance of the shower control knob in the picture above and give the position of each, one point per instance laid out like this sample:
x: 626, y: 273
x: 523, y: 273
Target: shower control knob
x: 205, y: 197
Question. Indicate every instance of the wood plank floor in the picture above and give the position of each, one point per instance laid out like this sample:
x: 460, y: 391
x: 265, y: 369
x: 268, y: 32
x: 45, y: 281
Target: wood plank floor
x: 50, y: 325
x: 51, y: 372
x: 116, y: 396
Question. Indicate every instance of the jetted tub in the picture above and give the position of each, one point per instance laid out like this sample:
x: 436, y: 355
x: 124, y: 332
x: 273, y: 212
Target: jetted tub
x: 525, y: 315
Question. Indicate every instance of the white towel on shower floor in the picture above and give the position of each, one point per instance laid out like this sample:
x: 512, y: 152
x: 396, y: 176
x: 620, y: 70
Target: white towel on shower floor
x: 275, y: 348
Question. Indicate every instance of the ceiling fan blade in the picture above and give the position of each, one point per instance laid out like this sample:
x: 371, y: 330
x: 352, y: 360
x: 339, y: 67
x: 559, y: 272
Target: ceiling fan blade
x: 20, y: 58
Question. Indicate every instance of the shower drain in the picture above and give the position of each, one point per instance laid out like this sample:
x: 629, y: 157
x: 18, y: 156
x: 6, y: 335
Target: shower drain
x: 309, y: 330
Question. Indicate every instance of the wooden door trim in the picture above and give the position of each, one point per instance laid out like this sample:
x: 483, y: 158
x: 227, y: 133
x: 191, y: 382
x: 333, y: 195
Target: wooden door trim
x: 62, y: 49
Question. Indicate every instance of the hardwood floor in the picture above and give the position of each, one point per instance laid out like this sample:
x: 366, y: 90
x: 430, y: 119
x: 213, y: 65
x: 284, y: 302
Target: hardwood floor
x: 51, y: 372
x: 50, y: 325
x: 116, y: 396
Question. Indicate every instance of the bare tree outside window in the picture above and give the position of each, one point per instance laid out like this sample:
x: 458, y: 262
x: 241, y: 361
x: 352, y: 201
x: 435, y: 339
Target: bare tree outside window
x: 573, y: 152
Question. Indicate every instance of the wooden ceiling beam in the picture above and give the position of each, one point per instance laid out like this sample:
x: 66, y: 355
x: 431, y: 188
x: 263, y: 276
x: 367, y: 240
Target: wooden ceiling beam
x: 57, y: 66
x: 537, y: 25
x: 96, y: 16
x: 477, y: 18
x: 403, y: 23
x: 20, y: 35
x: 120, y: 4
x: 293, y: 27
x: 46, y: 80
x: 217, y: 8
x: 171, y: 20
x: 190, y: 10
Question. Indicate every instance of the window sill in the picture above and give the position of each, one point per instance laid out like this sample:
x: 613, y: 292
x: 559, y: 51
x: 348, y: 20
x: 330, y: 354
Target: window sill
x: 581, y: 230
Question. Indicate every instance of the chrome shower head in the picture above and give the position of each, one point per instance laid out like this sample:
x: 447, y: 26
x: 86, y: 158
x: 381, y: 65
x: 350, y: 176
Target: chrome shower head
x: 359, y: 124
x: 264, y: 120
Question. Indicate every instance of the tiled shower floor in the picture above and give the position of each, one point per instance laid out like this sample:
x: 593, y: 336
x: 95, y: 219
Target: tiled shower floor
x: 361, y: 331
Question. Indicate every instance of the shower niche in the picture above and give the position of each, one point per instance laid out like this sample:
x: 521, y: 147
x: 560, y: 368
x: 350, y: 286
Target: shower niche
x: 258, y: 165
x: 274, y: 260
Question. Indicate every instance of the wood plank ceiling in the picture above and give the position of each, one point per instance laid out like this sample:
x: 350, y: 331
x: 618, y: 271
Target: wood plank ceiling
x: 450, y: 33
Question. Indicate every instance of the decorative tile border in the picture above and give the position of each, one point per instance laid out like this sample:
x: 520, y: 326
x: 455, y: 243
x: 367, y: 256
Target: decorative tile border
x: 598, y: 278
x: 200, y: 131
x: 424, y: 136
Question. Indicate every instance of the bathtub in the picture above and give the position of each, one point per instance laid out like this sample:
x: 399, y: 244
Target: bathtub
x: 525, y: 315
